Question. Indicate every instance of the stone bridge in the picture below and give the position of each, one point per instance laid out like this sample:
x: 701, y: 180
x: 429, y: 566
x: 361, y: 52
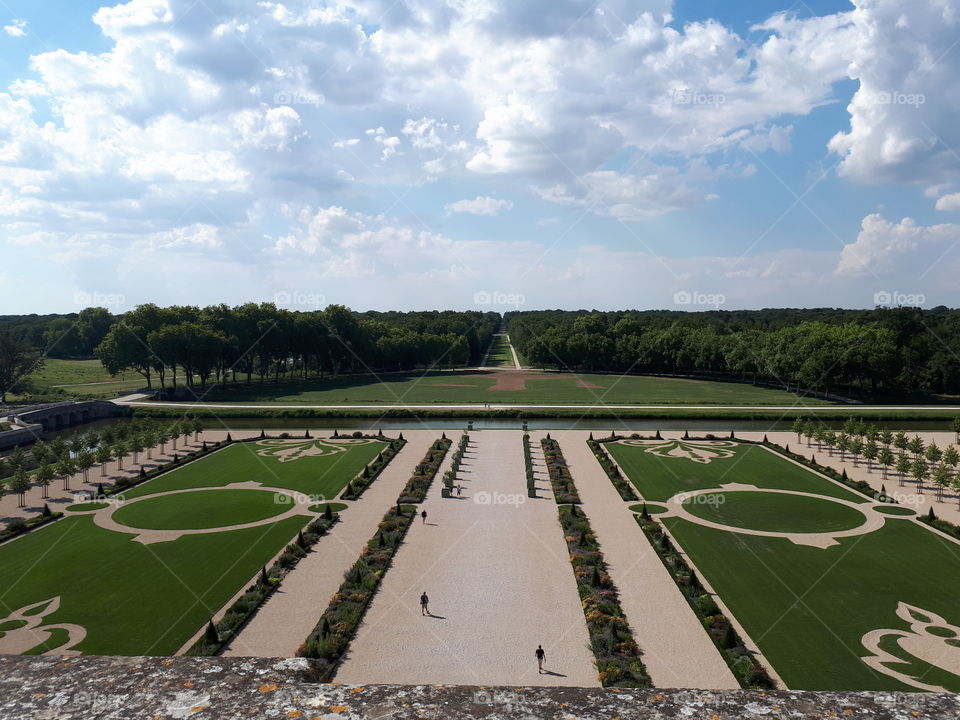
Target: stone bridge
x: 115, y: 688
x: 27, y: 424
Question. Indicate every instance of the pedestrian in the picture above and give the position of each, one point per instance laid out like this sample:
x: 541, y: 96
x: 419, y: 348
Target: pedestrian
x: 424, y: 604
x: 423, y: 516
x: 541, y: 657
x: 459, y: 489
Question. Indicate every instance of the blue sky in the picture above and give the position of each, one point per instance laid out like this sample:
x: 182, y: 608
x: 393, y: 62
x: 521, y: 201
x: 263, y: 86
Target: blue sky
x: 418, y: 154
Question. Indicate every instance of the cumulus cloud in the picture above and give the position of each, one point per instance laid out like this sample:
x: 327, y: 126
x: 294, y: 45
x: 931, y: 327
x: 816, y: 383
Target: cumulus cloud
x: 883, y: 247
x: 903, y: 116
x: 480, y: 205
x: 17, y: 28
x: 949, y: 202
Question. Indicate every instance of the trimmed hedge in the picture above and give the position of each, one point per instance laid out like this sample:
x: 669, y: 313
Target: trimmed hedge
x: 617, y: 655
x: 748, y: 672
x: 450, y: 476
x: 622, y: 485
x: 371, y: 472
x: 245, y: 607
x: 19, y: 526
x: 330, y: 639
x: 419, y: 483
x: 564, y: 491
x: 528, y: 466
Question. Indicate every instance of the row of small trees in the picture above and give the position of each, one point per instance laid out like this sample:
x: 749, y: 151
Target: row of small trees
x: 899, y: 452
x: 62, y: 458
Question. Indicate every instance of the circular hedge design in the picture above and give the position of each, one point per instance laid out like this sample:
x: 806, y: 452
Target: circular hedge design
x: 652, y: 508
x: 321, y: 507
x: 774, y: 512
x: 894, y: 510
x: 201, y: 509
x: 85, y: 507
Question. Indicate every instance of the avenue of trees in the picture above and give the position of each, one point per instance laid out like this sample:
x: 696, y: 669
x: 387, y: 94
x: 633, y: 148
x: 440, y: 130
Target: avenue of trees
x: 842, y: 351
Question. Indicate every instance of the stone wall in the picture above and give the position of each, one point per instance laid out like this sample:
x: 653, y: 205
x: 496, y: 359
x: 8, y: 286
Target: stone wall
x: 111, y: 688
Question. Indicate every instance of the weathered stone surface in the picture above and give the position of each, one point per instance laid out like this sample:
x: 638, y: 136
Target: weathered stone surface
x: 111, y: 688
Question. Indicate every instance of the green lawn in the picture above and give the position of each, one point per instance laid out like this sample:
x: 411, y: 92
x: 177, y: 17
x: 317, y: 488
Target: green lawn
x: 137, y: 599
x: 808, y: 608
x: 482, y: 386
x: 201, y: 509
x: 500, y: 355
x: 774, y: 512
x: 324, y: 475
x: 659, y: 478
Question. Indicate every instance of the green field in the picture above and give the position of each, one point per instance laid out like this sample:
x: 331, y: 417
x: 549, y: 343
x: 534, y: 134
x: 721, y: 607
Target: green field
x: 774, y: 512
x: 810, y: 609
x: 500, y: 355
x: 506, y: 386
x: 133, y: 598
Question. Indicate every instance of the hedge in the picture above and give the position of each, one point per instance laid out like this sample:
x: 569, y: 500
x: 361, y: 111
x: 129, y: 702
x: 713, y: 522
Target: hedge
x: 564, y: 491
x: 419, y: 483
x: 622, y: 485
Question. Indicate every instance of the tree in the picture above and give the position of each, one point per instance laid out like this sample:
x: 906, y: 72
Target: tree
x: 951, y: 457
x: 40, y: 452
x: 886, y: 437
x: 17, y: 361
x: 900, y: 441
x: 856, y: 446
x: 45, y: 476
x: 103, y: 455
x: 871, y: 452
x: 886, y: 459
x: 64, y: 468
x: 941, y: 478
x: 797, y: 427
x: 903, y: 466
x: 920, y: 471
x: 136, y: 446
x: 933, y: 454
x: 916, y: 446
x: 956, y: 429
x: 20, y: 485
x: 843, y: 444
x: 119, y: 451
x: 84, y: 462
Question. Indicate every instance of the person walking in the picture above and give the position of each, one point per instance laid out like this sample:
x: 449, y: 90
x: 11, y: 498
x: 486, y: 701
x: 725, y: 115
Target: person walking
x: 459, y: 489
x: 541, y: 658
x: 423, y: 516
x: 424, y: 604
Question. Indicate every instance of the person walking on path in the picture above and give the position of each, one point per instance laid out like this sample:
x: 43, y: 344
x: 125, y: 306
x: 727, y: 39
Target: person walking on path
x: 423, y: 516
x: 424, y: 604
x: 541, y: 657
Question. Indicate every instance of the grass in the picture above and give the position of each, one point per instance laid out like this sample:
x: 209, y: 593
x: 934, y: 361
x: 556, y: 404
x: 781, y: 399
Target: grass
x: 136, y: 599
x: 774, y: 512
x: 659, y: 479
x: 500, y: 355
x: 476, y: 386
x: 322, y: 476
x: 201, y: 509
x: 84, y: 379
x: 808, y: 608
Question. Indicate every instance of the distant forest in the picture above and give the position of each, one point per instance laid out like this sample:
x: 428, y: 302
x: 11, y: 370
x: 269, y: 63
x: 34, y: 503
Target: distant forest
x: 887, y: 351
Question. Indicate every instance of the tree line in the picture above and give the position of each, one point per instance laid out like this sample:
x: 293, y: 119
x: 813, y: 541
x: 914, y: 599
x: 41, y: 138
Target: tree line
x: 869, y: 352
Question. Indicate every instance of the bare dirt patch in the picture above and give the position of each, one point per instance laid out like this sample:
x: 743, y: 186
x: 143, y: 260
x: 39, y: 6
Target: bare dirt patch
x: 451, y: 385
x: 509, y: 381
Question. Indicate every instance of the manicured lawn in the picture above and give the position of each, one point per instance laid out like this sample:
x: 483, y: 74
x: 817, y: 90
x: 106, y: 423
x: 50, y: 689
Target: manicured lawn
x: 137, y: 599
x: 658, y: 478
x: 201, y: 509
x: 774, y: 512
x: 478, y: 386
x: 324, y: 475
x: 808, y: 608
x: 500, y: 355
x: 134, y: 599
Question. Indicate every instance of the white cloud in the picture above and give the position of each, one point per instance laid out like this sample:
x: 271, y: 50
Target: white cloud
x: 949, y: 202
x: 911, y: 250
x: 16, y: 28
x: 480, y: 205
x: 903, y: 124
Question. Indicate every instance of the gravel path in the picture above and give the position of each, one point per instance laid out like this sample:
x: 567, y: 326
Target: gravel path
x: 285, y: 620
x: 676, y: 649
x: 499, y: 584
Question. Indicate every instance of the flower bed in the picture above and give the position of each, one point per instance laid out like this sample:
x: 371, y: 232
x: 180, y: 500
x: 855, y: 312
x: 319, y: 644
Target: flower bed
x: 742, y: 664
x: 245, y: 607
x: 564, y: 491
x: 617, y: 655
x: 450, y: 476
x: 330, y: 639
x: 419, y: 483
x: 528, y: 466
x: 622, y: 485
x: 371, y: 472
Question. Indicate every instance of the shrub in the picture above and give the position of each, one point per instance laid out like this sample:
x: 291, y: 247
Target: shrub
x: 564, y: 491
x: 419, y: 483
x: 623, y: 486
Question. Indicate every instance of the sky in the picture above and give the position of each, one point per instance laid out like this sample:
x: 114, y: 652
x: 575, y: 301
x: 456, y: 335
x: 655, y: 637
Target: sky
x: 479, y: 154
